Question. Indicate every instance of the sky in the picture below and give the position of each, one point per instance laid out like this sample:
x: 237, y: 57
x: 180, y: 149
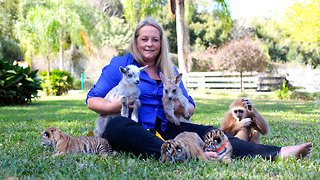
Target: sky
x: 251, y: 8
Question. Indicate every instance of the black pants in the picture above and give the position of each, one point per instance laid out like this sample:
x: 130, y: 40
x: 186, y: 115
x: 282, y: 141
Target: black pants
x: 126, y: 135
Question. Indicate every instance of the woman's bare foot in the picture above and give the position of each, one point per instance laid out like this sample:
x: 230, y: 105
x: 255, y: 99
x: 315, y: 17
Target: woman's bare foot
x: 211, y: 155
x: 299, y: 151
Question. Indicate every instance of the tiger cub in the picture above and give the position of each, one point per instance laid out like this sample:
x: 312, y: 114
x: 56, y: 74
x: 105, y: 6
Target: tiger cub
x: 186, y: 145
x: 63, y: 143
x: 216, y: 141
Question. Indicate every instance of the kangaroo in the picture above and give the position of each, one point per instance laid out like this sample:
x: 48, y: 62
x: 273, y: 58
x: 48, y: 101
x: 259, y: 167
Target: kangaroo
x: 171, y: 91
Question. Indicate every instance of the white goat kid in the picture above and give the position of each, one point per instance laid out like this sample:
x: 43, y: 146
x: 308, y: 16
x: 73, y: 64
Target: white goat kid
x: 127, y: 86
x: 171, y: 91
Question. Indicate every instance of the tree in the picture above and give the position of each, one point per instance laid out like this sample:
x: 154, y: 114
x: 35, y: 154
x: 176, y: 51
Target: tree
x: 9, y: 50
x: 282, y: 47
x: 50, y: 27
x: 182, y: 39
x: 113, y: 8
x: 135, y: 10
x: 240, y: 56
x: 177, y: 8
x: 206, y: 30
x: 118, y: 34
x: 302, y: 21
x: 8, y: 15
x: 38, y: 32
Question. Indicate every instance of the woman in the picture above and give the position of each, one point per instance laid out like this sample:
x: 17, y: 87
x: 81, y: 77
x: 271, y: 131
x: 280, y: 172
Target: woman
x: 149, y: 46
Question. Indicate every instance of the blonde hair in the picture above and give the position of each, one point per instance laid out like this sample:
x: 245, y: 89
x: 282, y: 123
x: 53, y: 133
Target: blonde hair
x: 163, y: 62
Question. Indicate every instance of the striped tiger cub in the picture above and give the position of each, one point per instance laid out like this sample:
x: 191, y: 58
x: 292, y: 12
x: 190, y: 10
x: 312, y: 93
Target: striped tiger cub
x: 216, y: 141
x: 63, y: 143
x: 186, y: 145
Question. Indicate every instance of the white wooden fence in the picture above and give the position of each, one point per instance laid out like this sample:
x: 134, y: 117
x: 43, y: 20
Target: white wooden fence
x: 218, y: 80
x: 307, y: 79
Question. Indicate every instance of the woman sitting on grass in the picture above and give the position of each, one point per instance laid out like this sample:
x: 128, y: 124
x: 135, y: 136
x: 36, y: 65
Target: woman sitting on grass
x: 149, y: 46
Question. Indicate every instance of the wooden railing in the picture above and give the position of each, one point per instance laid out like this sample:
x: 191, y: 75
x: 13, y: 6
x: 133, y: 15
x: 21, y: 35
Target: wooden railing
x: 219, y: 80
x: 308, y: 80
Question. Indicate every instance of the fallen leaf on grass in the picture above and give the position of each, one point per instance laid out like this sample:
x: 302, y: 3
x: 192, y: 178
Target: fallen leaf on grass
x: 179, y: 171
x: 90, y: 133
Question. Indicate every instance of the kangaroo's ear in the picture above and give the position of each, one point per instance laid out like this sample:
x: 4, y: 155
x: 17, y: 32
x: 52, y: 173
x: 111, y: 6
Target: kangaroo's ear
x: 162, y: 77
x: 143, y: 68
x: 52, y: 129
x: 122, y: 70
x: 178, y: 78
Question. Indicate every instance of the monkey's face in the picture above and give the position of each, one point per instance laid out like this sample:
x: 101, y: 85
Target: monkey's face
x: 238, y: 113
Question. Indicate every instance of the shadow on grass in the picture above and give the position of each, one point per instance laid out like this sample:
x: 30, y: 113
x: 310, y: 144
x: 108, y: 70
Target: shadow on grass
x: 48, y: 113
x: 209, y: 111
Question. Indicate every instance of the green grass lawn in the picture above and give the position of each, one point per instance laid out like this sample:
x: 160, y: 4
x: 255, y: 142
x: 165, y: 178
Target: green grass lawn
x: 22, y: 156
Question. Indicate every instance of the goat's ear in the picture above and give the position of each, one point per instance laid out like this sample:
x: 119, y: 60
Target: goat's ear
x: 122, y: 70
x: 178, y: 78
x: 143, y: 68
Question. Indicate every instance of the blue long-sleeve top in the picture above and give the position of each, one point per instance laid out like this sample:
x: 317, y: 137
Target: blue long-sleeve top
x: 151, y: 93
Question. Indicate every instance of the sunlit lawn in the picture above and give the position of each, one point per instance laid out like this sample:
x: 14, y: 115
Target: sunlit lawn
x: 22, y: 156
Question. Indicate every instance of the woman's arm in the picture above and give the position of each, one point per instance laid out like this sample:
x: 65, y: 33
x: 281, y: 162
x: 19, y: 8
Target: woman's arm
x: 102, y: 106
x: 109, y: 78
x: 180, y: 109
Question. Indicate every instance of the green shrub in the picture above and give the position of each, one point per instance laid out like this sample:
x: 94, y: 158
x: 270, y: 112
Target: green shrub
x: 60, y: 82
x: 9, y: 49
x: 17, y: 85
x: 317, y: 101
x: 77, y: 84
x: 292, y: 94
x: 284, y: 93
x: 305, y: 96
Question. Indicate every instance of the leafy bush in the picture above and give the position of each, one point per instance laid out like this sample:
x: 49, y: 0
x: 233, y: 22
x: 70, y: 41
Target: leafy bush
x: 284, y: 93
x: 203, y: 60
x: 17, y: 85
x: 317, y: 101
x: 77, y: 84
x: 9, y: 49
x: 60, y: 82
x: 291, y: 94
x: 305, y: 96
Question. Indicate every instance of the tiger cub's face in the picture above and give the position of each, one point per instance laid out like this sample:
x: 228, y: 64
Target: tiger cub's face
x: 47, y: 137
x: 213, y: 140
x: 173, y: 150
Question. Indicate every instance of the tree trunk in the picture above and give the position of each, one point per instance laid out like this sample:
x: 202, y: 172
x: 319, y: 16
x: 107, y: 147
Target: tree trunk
x: 48, y: 62
x: 181, y: 34
x: 60, y: 39
x: 241, y: 83
x: 61, y: 57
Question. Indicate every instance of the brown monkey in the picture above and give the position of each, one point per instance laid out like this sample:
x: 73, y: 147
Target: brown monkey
x: 241, y: 119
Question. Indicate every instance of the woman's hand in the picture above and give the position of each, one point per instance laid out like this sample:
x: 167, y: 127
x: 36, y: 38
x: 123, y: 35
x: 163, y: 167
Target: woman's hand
x: 116, y: 104
x: 131, y: 101
x: 179, y: 109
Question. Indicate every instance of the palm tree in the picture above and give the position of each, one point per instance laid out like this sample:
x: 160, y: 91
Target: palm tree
x: 177, y: 8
